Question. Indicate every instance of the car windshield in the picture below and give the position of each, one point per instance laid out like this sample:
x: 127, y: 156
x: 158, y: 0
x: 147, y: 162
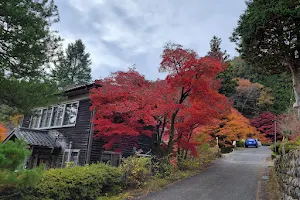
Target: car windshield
x: 251, y: 140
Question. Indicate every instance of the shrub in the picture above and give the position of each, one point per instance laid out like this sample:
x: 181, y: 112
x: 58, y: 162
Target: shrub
x: 162, y: 167
x: 87, y: 182
x: 240, y: 143
x: 136, y: 171
x: 288, y: 146
x: 272, y: 147
x: 226, y: 149
x: 196, y: 163
x: 12, y: 177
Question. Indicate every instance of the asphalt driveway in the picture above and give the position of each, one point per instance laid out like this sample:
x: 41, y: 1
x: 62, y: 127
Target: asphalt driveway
x: 236, y: 176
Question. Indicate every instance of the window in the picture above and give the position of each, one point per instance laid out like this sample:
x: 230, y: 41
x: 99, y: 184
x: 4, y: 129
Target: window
x: 74, y: 157
x: 55, y: 116
x: 35, y: 119
x: 114, y: 158
x: 46, y: 116
x: 70, y: 113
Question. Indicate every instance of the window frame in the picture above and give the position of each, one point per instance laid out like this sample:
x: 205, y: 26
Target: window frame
x: 72, y: 151
x: 61, y: 125
x: 111, y: 156
x: 71, y: 103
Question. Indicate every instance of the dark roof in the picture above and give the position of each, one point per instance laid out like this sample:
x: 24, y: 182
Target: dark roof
x: 79, y: 87
x: 34, y: 137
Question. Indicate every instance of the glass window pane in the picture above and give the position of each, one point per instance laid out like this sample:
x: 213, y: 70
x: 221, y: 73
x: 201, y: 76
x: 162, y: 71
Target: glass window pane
x: 48, y: 116
x: 67, y: 114
x: 73, y: 114
x: 54, y: 116
x: 70, y: 114
x: 35, y: 119
x: 45, y: 118
x: 59, y: 116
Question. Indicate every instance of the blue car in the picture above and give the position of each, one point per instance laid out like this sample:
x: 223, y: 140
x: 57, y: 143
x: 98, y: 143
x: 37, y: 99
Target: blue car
x: 250, y: 142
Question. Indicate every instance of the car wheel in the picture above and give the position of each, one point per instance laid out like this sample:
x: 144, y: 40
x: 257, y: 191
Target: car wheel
x: 246, y: 146
x: 256, y: 146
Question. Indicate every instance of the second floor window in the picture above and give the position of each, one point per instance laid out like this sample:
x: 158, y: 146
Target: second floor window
x: 55, y: 116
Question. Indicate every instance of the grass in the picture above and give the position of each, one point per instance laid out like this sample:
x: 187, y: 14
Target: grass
x: 273, y: 185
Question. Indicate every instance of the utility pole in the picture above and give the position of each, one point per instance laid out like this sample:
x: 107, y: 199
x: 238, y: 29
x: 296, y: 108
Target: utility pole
x: 275, y: 136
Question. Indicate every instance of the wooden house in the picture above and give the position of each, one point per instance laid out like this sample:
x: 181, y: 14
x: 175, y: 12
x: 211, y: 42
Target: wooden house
x: 64, y: 133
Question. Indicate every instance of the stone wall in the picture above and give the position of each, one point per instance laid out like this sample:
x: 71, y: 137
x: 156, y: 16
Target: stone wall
x: 288, y: 171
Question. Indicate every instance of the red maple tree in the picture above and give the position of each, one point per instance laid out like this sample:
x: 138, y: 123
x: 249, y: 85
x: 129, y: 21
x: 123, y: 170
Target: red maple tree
x: 128, y: 105
x: 194, y: 80
x: 265, y: 123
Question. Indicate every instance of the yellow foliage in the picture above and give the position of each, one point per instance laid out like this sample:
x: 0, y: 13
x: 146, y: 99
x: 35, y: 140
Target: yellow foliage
x: 15, y: 119
x: 237, y: 127
x: 233, y: 127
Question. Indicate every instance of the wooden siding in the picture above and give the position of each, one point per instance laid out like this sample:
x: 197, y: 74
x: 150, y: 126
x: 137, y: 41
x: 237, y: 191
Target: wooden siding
x: 78, y: 134
x: 126, y: 147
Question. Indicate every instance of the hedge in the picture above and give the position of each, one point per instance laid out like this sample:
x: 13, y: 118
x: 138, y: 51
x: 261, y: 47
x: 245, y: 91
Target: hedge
x: 84, y: 183
x: 288, y: 146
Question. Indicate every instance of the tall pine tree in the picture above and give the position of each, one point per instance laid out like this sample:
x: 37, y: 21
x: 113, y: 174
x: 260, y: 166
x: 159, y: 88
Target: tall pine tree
x: 228, y: 84
x: 73, y: 68
x: 27, y: 44
x: 215, y: 49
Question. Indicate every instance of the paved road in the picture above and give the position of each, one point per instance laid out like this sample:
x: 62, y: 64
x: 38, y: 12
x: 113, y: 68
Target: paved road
x: 236, y: 176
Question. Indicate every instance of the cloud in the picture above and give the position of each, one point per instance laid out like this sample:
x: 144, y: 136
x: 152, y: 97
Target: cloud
x: 121, y: 33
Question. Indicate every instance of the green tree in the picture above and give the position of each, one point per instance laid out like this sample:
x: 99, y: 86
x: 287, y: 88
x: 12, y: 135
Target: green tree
x: 12, y: 176
x: 27, y: 44
x: 228, y: 84
x: 74, y: 68
x: 215, y: 49
x: 268, y: 35
x: 280, y: 84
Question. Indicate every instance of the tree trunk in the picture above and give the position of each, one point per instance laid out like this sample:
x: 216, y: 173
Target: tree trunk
x: 172, y: 131
x: 296, y: 87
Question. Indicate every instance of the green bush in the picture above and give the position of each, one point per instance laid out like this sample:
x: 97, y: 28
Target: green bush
x: 136, y: 171
x: 272, y: 147
x: 12, y: 175
x: 226, y: 149
x: 289, y: 146
x: 87, y: 182
x: 190, y: 164
x: 240, y: 144
x: 162, y: 167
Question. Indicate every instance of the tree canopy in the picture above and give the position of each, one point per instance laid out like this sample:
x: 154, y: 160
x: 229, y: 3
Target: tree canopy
x: 267, y: 36
x: 129, y: 105
x: 74, y: 67
x: 27, y: 45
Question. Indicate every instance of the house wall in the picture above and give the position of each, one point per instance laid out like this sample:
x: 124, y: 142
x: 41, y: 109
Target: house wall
x: 78, y: 134
x: 126, y: 147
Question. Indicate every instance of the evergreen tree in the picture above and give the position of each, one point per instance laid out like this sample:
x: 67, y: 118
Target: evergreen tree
x: 215, y: 49
x: 267, y: 36
x: 74, y: 67
x: 27, y: 44
x: 228, y: 84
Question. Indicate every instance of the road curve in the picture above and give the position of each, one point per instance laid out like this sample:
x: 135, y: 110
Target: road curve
x: 236, y: 176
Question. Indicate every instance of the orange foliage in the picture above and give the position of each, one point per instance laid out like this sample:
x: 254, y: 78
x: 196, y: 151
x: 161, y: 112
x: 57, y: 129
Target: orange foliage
x: 233, y: 127
x: 2, y: 132
x: 237, y: 127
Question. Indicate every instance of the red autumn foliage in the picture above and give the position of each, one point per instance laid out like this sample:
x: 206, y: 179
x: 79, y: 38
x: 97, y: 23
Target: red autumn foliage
x: 129, y: 105
x: 266, y: 125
